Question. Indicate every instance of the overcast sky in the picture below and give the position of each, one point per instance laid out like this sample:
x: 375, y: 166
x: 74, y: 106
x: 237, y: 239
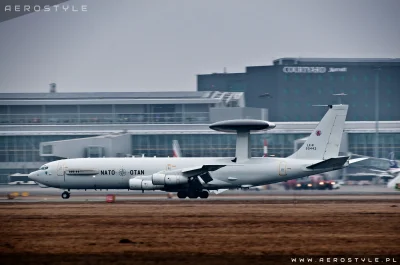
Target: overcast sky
x: 147, y: 45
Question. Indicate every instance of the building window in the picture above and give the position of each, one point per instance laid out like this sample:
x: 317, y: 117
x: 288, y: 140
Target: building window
x: 47, y: 149
x: 366, y: 78
x: 342, y: 77
x: 354, y: 91
x: 320, y: 78
x: 354, y: 78
x: 331, y: 78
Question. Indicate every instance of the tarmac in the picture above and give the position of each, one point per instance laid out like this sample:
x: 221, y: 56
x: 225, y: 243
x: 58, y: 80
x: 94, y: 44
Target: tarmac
x: 359, y: 193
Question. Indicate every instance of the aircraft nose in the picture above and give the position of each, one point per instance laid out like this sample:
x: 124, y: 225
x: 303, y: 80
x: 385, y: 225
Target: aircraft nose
x: 33, y: 175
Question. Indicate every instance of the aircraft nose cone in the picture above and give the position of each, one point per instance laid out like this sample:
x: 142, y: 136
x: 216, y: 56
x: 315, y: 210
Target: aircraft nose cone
x: 33, y: 175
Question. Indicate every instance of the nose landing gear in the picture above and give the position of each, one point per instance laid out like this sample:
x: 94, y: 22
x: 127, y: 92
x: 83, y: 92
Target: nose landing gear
x: 65, y: 195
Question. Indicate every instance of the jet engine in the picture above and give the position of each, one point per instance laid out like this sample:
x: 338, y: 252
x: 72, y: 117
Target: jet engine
x: 163, y: 179
x: 140, y: 184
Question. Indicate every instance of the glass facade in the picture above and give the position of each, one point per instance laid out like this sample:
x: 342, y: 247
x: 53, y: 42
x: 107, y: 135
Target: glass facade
x: 105, y: 114
x: 26, y: 148
x: 364, y: 143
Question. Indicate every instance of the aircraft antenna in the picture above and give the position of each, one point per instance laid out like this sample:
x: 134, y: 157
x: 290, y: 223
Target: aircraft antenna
x: 340, y: 95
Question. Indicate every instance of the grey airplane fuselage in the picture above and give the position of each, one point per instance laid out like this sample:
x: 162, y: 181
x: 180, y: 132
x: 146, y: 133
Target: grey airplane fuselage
x: 115, y: 173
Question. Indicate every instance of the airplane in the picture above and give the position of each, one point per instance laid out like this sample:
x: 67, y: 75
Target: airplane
x: 395, y: 182
x: 195, y: 177
x: 176, y: 150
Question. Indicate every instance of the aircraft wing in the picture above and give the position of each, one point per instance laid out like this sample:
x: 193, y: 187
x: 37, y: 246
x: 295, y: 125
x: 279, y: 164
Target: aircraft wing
x: 201, y: 170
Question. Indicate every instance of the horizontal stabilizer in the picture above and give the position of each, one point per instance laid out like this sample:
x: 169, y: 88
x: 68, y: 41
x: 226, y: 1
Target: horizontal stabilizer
x: 355, y: 160
x: 336, y: 162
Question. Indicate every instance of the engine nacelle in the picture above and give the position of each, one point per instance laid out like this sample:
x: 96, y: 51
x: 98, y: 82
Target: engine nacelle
x: 139, y: 184
x: 163, y: 179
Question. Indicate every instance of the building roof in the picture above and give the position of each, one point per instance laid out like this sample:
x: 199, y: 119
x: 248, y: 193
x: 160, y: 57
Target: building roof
x: 104, y: 95
x: 339, y: 60
x: 90, y: 98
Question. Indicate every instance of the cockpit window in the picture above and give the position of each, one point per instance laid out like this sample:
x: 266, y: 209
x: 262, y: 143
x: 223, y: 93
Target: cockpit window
x: 43, y: 167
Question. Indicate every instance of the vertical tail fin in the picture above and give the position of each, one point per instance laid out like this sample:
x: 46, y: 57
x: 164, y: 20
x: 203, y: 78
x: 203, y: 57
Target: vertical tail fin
x: 265, y: 148
x: 176, y: 149
x: 324, y: 141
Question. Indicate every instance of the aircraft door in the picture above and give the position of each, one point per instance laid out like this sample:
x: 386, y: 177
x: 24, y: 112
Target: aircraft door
x: 61, y: 173
x: 282, y: 169
x: 60, y: 169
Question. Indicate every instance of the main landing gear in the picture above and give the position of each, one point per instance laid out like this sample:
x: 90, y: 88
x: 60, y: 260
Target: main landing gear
x: 193, y: 194
x: 65, y: 195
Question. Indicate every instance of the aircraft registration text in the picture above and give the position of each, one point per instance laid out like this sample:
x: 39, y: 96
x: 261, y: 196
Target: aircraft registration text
x: 311, y: 147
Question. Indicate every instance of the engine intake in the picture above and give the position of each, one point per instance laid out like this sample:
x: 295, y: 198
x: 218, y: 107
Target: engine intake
x: 163, y: 179
x: 139, y: 184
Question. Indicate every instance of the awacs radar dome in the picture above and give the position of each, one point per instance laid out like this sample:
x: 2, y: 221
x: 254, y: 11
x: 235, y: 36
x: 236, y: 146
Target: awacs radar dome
x: 242, y: 125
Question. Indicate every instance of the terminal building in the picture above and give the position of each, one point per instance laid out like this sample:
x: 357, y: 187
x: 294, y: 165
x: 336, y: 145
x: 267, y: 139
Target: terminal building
x: 39, y: 127
x: 297, y: 83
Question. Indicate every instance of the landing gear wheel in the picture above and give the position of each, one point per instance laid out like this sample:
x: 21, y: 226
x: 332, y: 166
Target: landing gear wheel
x: 65, y: 195
x: 204, y: 194
x: 193, y: 195
x: 182, y: 194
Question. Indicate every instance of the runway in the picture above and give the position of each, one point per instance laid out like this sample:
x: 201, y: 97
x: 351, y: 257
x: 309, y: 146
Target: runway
x: 197, y: 232
x: 352, y: 193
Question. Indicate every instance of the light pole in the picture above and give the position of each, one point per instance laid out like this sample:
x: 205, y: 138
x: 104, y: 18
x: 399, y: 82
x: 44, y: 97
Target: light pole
x: 344, y: 170
x: 265, y: 95
x: 376, y: 150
